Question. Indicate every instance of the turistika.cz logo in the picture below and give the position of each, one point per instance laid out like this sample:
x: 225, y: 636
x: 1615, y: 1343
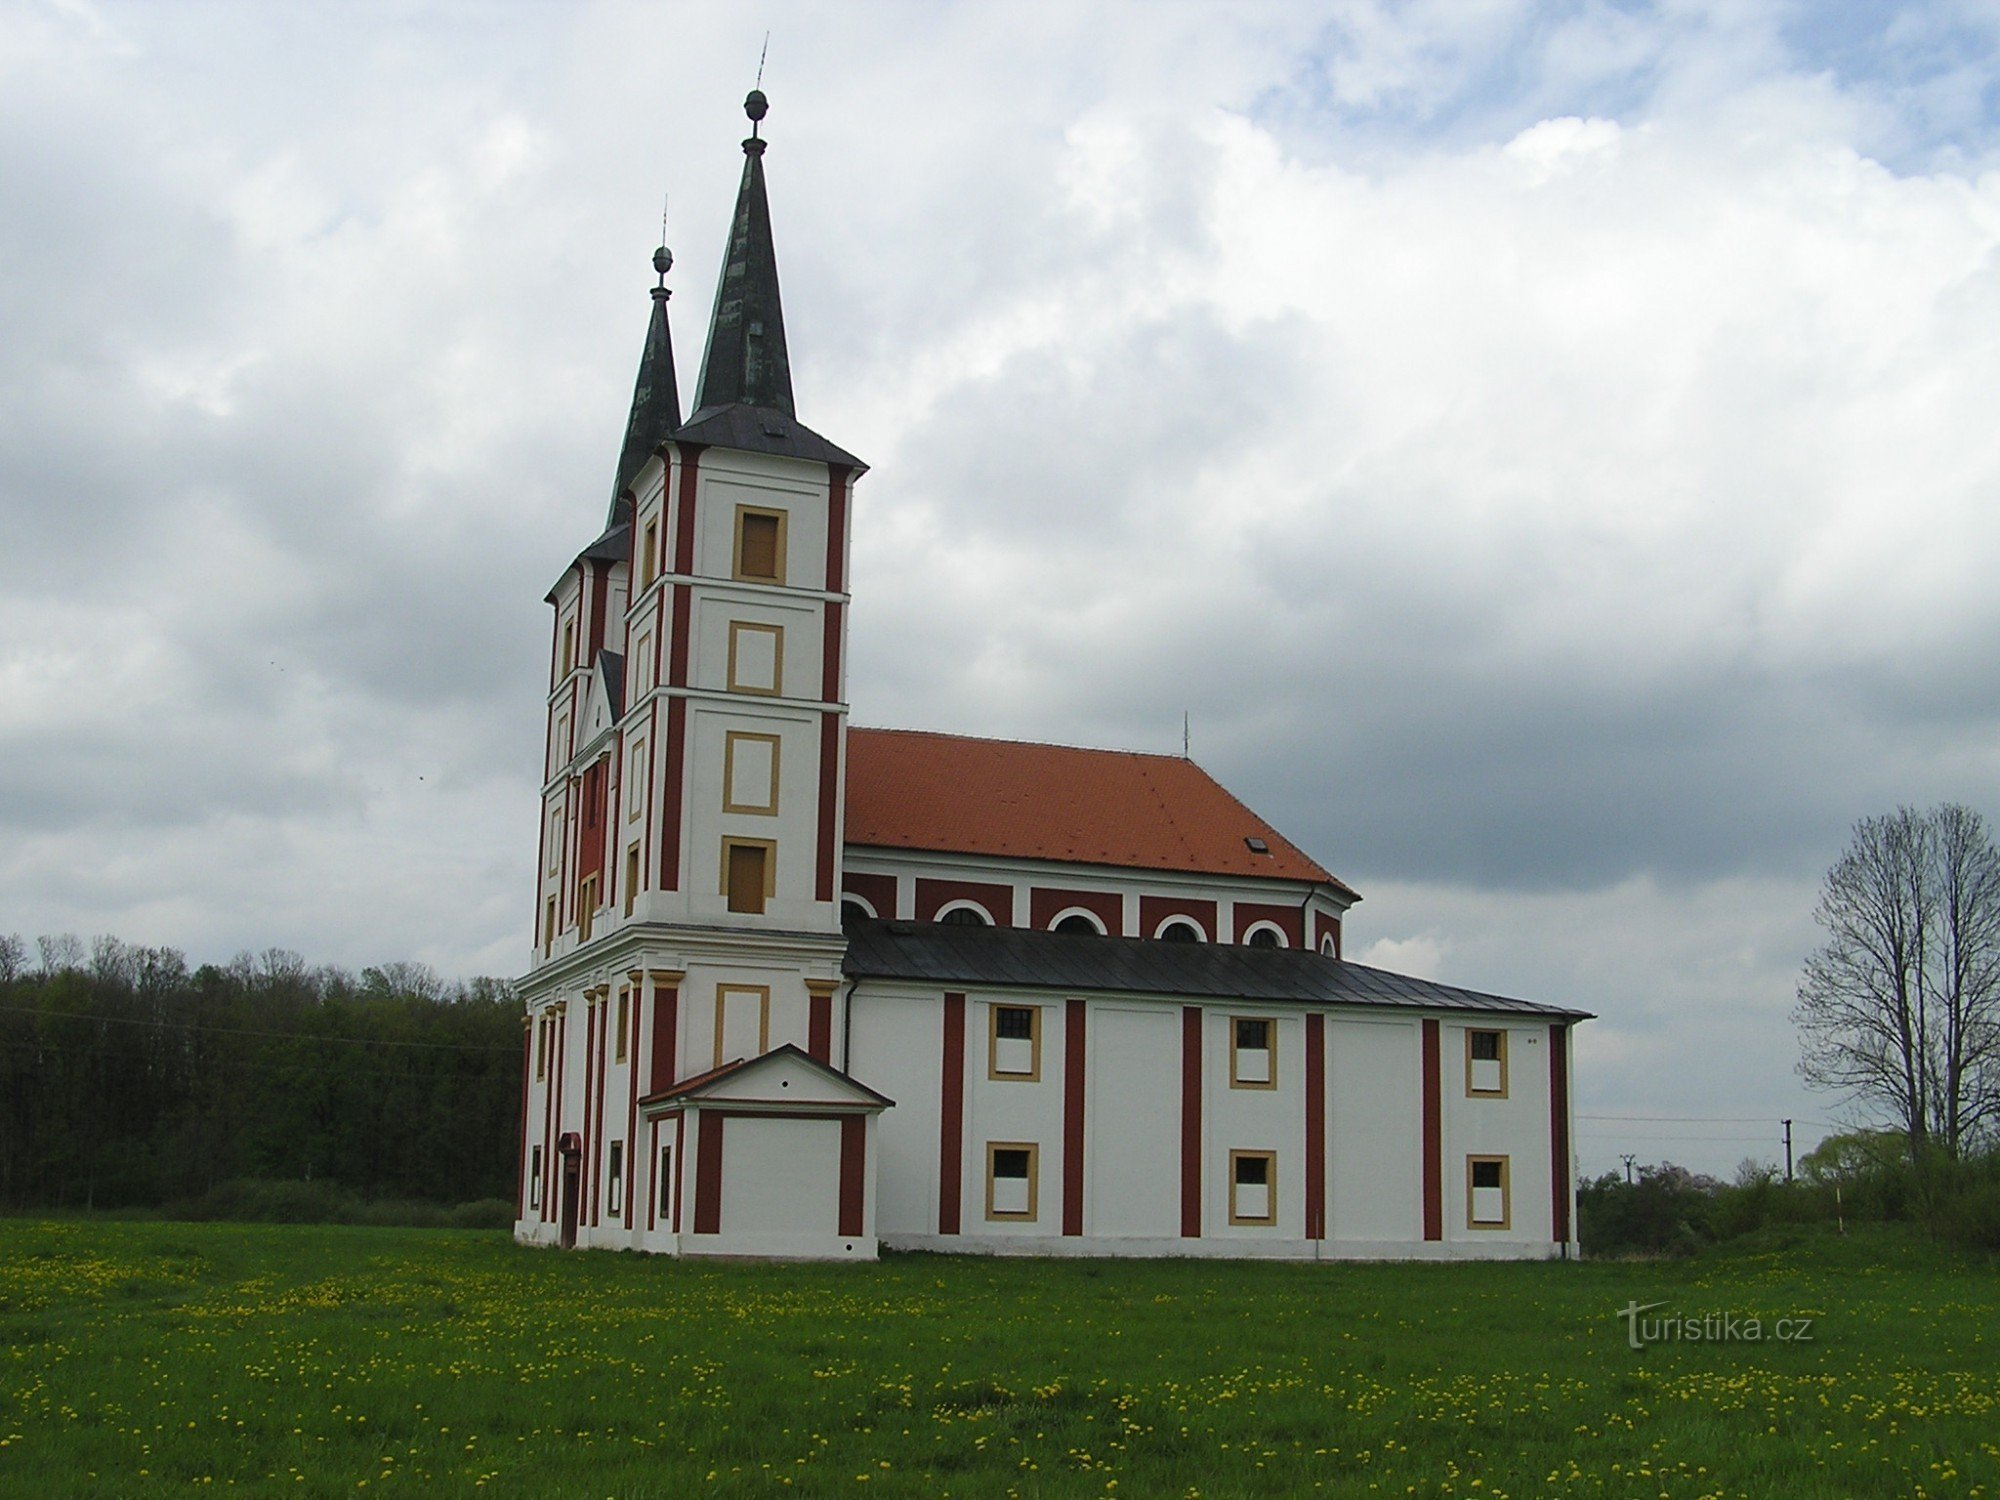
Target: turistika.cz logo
x: 1709, y: 1328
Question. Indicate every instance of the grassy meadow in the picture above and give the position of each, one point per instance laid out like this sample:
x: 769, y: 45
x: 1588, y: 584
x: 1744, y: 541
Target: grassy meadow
x: 140, y: 1358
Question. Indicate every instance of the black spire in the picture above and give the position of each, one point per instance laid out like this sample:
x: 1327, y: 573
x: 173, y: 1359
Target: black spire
x: 656, y: 399
x: 745, y: 363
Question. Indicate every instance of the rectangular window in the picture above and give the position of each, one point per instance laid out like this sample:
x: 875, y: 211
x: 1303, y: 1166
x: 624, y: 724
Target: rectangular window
x: 742, y: 1021
x: 549, y: 928
x: 555, y: 840
x: 586, y: 902
x: 1486, y: 1064
x: 535, y: 1178
x: 664, y: 1204
x: 631, y: 878
x: 756, y: 658
x: 1486, y: 1190
x: 569, y: 647
x: 1253, y: 1052
x: 649, y: 564
x: 635, y: 782
x: 1014, y: 1042
x: 1011, y: 1173
x: 748, y: 870
x: 614, y: 1194
x: 541, y: 1049
x: 760, y: 545
x: 750, y: 773
x: 624, y: 1023
x: 1253, y: 1187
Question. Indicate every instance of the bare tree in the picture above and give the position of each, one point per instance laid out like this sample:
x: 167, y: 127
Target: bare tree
x: 1900, y: 1007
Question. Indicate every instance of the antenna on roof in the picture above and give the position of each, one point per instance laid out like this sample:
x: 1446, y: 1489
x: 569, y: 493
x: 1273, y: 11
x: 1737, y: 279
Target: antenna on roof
x: 1187, y: 735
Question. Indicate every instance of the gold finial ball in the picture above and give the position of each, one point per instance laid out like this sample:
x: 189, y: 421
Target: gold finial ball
x: 756, y: 106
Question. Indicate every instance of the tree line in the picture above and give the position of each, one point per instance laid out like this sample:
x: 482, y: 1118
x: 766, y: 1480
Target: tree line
x: 128, y: 1079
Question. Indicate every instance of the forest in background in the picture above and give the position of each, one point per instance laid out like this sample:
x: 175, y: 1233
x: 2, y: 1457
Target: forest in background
x: 128, y: 1079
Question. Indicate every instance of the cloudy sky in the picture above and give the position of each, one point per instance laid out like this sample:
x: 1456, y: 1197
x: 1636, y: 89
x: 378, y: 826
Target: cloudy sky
x: 1548, y: 449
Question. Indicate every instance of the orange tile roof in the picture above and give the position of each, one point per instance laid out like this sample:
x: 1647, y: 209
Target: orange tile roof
x: 953, y: 793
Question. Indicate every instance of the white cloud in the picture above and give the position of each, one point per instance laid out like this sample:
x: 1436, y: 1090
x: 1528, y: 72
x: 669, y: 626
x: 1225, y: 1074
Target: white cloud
x: 1545, y: 447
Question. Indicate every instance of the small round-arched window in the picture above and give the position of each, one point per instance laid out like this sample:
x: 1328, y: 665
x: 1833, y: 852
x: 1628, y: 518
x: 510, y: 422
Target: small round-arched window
x: 853, y: 911
x: 1266, y: 937
x: 1180, y: 932
x: 965, y: 916
x: 1077, y: 922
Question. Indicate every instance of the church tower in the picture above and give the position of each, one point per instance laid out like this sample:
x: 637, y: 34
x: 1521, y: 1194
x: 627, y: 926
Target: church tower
x: 688, y: 904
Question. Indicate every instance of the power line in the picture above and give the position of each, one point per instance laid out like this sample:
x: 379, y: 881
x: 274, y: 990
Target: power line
x: 1690, y: 1119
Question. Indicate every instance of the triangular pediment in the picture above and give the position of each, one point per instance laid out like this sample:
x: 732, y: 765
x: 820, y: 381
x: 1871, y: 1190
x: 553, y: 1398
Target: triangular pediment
x: 603, y: 703
x: 785, y: 1079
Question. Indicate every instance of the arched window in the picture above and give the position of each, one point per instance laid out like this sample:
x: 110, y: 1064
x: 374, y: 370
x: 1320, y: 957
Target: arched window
x: 1180, y: 932
x: 852, y: 910
x: 965, y: 916
x: 1264, y: 935
x: 1077, y: 922
x: 1326, y: 946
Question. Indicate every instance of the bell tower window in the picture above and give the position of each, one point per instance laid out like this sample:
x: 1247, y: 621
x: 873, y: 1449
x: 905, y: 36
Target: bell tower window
x: 760, y: 545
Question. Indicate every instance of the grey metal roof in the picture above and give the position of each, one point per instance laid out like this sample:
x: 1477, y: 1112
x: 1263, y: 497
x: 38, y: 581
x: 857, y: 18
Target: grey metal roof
x: 746, y: 359
x: 1012, y: 957
x: 612, y: 665
x: 656, y: 402
x: 761, y: 429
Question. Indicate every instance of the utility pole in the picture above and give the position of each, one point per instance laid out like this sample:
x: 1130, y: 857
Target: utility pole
x: 1788, y: 1153
x: 1628, y: 1158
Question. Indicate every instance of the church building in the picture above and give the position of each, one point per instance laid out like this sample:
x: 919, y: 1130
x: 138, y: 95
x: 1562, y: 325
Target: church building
x: 806, y: 989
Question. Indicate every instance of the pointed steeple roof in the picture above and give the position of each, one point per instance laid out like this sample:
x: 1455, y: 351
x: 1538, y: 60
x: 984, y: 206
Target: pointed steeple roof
x: 656, y: 398
x: 744, y: 400
x: 745, y: 363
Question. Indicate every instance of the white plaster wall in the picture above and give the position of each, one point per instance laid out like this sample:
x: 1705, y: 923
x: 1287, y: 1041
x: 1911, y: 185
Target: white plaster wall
x: 1014, y: 1111
x: 803, y: 621
x: 897, y: 1042
x: 1375, y: 1130
x: 1516, y: 1127
x: 1247, y: 1119
x: 726, y: 481
x: 1132, y: 1121
x: 780, y: 1179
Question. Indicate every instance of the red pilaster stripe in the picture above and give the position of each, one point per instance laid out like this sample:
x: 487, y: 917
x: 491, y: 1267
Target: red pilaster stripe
x: 678, y: 645
x: 951, y: 1117
x: 527, y: 1067
x: 680, y: 1163
x: 829, y: 654
x: 557, y: 1065
x: 829, y: 804
x: 652, y: 1175
x: 708, y: 1174
x: 1191, y: 1122
x: 819, y: 1032
x: 670, y: 795
x: 632, y: 1105
x: 1315, y: 1127
x: 666, y: 1028
x: 853, y: 1171
x: 1433, y: 1143
x: 600, y: 600
x: 684, y: 521
x: 1559, y: 1154
x: 1073, y: 1061
x: 593, y: 1111
x: 836, y: 528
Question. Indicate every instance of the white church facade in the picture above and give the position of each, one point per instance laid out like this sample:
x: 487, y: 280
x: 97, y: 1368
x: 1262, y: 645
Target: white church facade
x: 810, y: 990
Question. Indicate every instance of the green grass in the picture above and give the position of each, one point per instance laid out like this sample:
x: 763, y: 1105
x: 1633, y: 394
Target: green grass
x: 147, y: 1358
